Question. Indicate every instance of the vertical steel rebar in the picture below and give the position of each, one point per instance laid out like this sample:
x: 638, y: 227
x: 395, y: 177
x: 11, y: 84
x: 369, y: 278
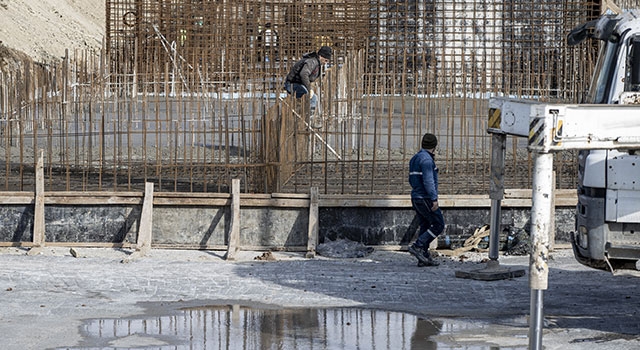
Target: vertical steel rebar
x: 162, y: 62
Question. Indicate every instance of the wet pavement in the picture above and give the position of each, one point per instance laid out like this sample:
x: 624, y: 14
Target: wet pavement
x: 235, y: 327
x: 54, y: 300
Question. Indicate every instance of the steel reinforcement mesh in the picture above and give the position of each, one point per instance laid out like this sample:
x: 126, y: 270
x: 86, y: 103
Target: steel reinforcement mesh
x: 188, y: 94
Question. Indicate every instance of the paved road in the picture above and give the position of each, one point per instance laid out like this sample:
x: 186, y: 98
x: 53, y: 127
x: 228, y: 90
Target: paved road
x: 48, y: 299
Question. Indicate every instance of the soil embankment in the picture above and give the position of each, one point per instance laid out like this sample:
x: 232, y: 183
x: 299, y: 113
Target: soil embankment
x: 43, y: 30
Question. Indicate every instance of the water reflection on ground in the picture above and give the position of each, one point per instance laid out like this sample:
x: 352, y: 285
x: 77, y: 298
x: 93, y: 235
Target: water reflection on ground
x: 237, y: 327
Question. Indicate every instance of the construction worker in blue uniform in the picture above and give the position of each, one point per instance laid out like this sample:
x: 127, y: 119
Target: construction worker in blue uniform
x: 423, y: 177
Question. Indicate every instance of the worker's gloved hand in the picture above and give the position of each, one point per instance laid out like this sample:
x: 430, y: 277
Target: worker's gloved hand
x: 311, y: 93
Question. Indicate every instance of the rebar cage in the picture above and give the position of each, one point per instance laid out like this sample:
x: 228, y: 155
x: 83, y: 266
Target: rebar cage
x: 188, y: 95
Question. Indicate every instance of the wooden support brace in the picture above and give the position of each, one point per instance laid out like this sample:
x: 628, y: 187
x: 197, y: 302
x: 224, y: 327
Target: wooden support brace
x: 312, y: 239
x: 610, y: 5
x: 145, y: 231
x: 146, y: 220
x: 234, y: 234
x: 38, y: 213
x: 38, y: 218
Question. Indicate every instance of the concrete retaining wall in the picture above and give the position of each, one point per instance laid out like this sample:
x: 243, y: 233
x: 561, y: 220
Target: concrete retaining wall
x: 270, y: 225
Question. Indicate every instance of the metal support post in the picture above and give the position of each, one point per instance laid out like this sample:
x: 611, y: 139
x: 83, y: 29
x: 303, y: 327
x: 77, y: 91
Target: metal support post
x: 493, y: 271
x: 498, y: 146
x: 536, y: 319
x: 540, y: 225
x: 494, y: 226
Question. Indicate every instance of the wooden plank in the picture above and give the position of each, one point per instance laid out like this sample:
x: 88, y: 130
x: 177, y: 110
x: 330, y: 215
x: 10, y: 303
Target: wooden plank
x: 290, y: 195
x: 369, y: 203
x: 94, y: 194
x: 405, y: 202
x: 611, y: 5
x: 566, y: 192
x: 143, y: 243
x: 514, y: 198
x: 184, y: 246
x: 191, y: 201
x: 38, y: 214
x: 13, y: 200
x: 192, y: 195
x: 313, y: 230
x: 263, y: 196
x: 136, y: 198
x: 275, y: 248
x: 16, y: 193
x: 325, y: 197
x: 219, y: 247
x: 517, y: 193
x: 234, y: 232
x: 275, y: 202
x: 91, y: 245
x: 16, y: 244
x: 464, y: 201
x: 566, y: 202
x: 87, y: 200
x: 526, y: 202
x: 526, y: 193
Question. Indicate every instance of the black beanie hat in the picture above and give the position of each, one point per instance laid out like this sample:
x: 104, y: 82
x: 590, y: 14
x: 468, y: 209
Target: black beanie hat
x: 429, y: 141
x: 325, y: 52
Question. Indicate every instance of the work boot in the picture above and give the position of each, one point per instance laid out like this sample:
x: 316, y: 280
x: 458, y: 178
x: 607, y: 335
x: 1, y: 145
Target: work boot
x: 418, y: 252
x: 430, y: 261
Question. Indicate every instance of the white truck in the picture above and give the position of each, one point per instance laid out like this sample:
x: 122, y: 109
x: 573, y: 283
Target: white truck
x: 607, y: 234
x: 606, y: 131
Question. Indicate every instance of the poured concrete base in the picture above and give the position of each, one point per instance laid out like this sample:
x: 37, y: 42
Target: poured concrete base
x: 491, y: 272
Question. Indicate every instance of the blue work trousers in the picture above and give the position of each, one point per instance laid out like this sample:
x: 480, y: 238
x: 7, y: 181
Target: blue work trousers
x: 431, y: 221
x: 300, y: 90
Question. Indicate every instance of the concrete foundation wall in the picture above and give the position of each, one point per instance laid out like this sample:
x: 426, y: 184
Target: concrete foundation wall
x: 268, y: 227
x: 190, y: 225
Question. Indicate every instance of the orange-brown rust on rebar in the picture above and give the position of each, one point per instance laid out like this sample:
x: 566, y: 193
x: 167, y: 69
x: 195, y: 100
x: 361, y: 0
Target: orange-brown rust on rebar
x: 185, y: 94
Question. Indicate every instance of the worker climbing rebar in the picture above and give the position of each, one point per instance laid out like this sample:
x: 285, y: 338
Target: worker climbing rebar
x: 304, y: 72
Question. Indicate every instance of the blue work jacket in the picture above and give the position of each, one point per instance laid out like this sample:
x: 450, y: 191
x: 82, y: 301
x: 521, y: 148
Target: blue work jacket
x: 423, y: 176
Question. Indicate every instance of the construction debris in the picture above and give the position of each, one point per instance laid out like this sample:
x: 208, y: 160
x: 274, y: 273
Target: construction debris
x: 75, y: 253
x: 266, y: 256
x: 515, y: 242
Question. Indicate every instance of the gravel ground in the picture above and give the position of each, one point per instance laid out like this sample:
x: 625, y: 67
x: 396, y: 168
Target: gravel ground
x: 47, y: 299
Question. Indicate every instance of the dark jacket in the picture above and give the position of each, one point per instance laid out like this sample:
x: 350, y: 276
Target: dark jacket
x: 305, y: 71
x: 423, y: 176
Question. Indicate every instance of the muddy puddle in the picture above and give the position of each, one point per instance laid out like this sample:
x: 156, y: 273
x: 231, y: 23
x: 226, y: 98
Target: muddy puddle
x: 238, y: 327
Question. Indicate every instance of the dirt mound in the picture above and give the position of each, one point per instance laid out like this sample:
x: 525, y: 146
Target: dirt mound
x: 12, y: 60
x: 44, y: 29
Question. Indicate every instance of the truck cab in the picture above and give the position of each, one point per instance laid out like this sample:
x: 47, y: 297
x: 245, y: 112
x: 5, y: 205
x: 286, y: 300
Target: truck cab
x: 607, y: 233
